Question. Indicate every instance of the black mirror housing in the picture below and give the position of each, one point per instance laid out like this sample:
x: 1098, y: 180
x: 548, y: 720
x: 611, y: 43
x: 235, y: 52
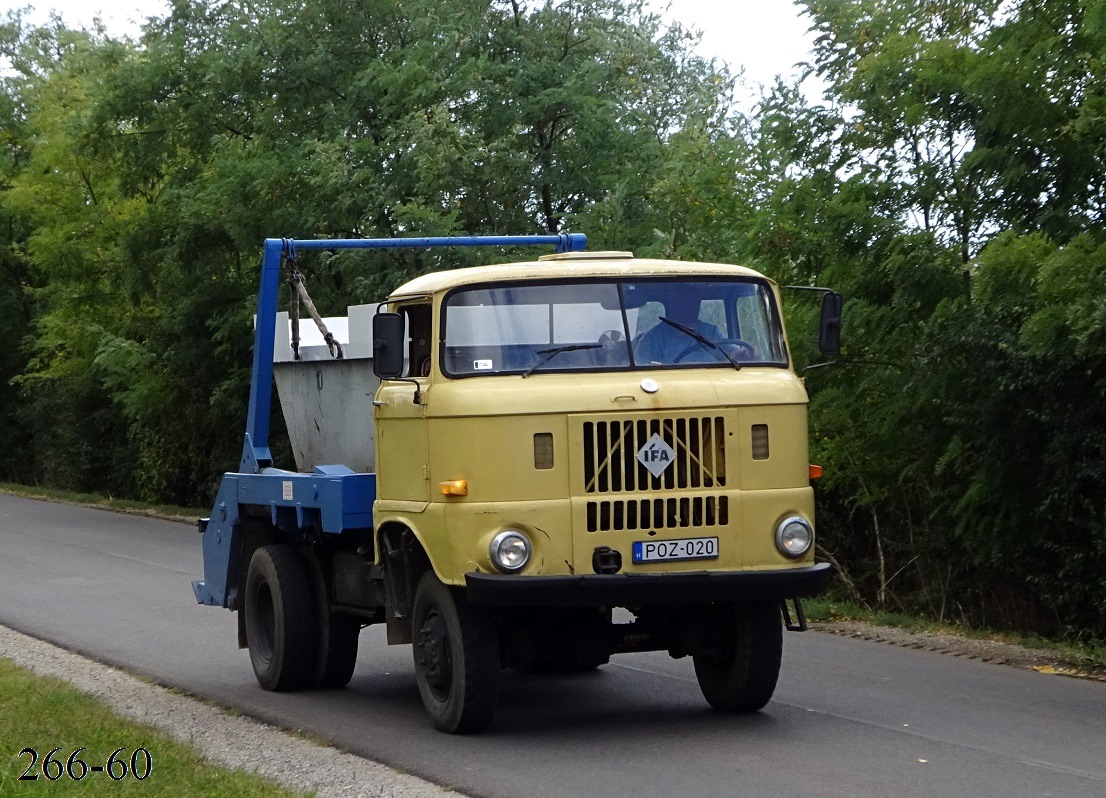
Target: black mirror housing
x: 388, y: 342
x: 829, y: 326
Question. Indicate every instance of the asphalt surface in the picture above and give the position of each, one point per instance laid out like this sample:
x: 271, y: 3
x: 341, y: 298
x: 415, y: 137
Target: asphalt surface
x: 849, y: 718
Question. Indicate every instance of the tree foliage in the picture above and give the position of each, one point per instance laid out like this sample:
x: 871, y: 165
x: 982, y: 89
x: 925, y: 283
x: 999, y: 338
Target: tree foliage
x: 952, y: 192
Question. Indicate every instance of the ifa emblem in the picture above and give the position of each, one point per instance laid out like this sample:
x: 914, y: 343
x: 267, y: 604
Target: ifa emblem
x: 656, y: 455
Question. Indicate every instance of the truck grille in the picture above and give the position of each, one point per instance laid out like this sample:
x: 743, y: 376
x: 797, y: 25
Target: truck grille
x: 611, y: 447
x: 662, y: 513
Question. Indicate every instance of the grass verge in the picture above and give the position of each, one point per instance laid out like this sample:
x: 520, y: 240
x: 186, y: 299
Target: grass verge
x: 169, y: 511
x: 44, y: 714
x: 1079, y: 654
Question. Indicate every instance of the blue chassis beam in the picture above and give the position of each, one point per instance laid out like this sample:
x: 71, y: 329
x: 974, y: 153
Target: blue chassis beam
x: 328, y: 502
x: 334, y: 498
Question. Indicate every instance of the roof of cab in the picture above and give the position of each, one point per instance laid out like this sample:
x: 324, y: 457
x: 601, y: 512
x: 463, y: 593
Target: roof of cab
x: 570, y: 266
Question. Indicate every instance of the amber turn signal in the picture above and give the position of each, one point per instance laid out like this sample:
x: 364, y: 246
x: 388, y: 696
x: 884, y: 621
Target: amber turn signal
x: 454, y: 487
x: 815, y: 471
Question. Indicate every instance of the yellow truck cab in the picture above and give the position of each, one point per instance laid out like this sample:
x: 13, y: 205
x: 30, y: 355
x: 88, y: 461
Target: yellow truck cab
x: 531, y: 466
x: 588, y: 431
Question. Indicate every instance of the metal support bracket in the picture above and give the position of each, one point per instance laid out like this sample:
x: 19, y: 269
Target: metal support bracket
x: 799, y: 622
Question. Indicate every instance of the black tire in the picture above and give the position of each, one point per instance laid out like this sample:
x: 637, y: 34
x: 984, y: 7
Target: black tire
x: 456, y: 651
x: 337, y: 656
x: 279, y: 619
x: 741, y: 664
x: 338, y: 634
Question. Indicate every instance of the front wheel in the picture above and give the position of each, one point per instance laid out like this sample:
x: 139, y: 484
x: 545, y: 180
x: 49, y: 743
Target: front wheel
x: 456, y: 652
x: 740, y: 663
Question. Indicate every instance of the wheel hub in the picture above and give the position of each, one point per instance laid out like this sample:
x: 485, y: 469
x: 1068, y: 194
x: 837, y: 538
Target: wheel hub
x: 435, y: 660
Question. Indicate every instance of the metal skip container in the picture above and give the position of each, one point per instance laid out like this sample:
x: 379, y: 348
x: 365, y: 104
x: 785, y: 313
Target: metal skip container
x: 327, y: 402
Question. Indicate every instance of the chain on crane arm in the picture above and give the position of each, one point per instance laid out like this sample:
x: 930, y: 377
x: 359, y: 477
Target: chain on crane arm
x: 299, y: 294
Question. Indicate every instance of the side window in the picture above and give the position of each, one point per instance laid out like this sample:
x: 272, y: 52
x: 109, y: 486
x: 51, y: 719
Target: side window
x: 416, y: 320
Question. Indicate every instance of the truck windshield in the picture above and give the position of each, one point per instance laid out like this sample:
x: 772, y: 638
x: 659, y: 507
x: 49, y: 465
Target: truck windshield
x: 610, y: 326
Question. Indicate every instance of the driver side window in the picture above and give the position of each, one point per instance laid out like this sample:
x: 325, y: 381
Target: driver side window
x: 416, y: 322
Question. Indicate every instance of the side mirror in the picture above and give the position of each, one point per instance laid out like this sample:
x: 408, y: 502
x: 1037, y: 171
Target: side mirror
x: 388, y: 340
x: 829, y: 326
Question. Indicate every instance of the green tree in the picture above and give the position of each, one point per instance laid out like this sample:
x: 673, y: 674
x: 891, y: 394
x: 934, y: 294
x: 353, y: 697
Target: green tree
x: 17, y: 279
x: 900, y: 71
x: 65, y: 217
x: 1040, y: 130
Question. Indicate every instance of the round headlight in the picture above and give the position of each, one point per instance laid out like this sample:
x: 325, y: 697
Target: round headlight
x: 794, y: 536
x: 510, y: 551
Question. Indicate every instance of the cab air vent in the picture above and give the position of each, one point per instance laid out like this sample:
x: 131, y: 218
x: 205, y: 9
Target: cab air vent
x: 760, y: 441
x: 543, y: 450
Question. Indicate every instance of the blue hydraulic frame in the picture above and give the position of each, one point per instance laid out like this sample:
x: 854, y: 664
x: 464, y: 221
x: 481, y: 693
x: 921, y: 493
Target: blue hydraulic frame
x: 333, y: 498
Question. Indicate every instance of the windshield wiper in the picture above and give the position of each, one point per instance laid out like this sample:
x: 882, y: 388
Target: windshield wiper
x: 698, y: 336
x: 552, y: 353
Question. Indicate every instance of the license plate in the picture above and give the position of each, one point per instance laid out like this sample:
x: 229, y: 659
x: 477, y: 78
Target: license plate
x: 681, y: 549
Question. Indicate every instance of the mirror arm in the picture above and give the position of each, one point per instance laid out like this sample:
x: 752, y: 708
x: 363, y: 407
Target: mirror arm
x: 417, y: 398
x: 813, y: 366
x: 827, y: 294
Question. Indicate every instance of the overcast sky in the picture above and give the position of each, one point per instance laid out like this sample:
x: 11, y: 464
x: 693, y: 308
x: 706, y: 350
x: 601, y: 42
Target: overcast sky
x: 767, y: 37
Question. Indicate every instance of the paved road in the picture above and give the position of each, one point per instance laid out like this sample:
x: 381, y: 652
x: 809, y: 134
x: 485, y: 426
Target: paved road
x: 850, y: 718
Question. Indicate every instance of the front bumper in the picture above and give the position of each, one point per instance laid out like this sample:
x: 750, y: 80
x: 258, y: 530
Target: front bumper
x: 634, y: 590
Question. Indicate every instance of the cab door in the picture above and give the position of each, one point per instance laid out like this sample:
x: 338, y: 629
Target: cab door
x: 402, y: 464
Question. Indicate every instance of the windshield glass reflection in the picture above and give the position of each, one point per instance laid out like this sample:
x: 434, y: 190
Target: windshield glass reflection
x: 608, y: 326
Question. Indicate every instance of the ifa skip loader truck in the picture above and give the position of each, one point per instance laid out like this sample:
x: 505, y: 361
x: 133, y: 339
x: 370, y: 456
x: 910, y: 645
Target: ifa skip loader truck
x: 531, y: 466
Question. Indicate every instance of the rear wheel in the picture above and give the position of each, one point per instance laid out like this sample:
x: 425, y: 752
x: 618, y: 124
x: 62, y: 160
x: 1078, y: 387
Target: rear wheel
x: 337, y: 656
x: 279, y: 615
x: 456, y: 653
x: 338, y: 634
x: 740, y: 663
